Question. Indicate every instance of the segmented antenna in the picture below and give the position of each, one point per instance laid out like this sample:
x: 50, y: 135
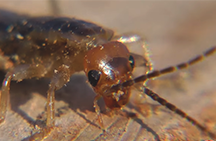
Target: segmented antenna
x: 170, y: 69
x: 181, y: 66
x: 162, y: 101
x: 173, y: 108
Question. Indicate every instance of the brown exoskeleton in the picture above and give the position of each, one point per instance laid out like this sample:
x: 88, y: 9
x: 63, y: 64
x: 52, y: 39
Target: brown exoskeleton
x: 58, y: 47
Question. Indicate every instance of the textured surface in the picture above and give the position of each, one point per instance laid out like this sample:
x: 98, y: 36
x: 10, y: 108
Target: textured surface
x: 175, y: 31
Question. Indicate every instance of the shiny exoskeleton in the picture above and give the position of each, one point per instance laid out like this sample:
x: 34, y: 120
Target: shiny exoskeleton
x: 58, y: 47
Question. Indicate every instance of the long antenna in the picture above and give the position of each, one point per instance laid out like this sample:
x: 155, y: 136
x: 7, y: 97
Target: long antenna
x: 173, y: 108
x: 162, y: 101
x: 170, y: 69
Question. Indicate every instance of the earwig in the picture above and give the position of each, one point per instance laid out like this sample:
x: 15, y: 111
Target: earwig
x: 56, y: 48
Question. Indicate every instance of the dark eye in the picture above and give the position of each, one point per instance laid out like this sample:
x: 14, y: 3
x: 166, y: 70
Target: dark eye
x: 131, y: 60
x: 93, y: 77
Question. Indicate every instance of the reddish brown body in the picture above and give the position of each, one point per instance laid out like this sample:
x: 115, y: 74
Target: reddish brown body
x: 58, y: 47
x: 50, y: 42
x: 114, y: 67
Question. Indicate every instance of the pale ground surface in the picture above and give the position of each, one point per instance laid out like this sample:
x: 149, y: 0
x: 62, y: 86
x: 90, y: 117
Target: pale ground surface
x: 175, y: 32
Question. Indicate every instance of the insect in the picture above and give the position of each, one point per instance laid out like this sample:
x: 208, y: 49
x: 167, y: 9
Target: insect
x: 58, y: 47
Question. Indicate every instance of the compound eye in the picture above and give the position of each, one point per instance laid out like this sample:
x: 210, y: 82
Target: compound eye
x: 93, y: 77
x: 132, y: 61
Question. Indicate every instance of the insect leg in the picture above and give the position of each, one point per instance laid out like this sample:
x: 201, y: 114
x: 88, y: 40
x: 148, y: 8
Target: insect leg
x: 4, y: 96
x: 138, y: 49
x: 97, y: 110
x: 60, y: 78
x: 18, y: 73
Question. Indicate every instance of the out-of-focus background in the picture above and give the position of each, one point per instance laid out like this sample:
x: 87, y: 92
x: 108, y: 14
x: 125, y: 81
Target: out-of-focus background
x: 175, y: 31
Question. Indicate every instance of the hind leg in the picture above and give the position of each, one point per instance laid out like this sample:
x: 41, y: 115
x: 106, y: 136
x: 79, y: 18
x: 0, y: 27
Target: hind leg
x: 60, y: 77
x: 18, y: 73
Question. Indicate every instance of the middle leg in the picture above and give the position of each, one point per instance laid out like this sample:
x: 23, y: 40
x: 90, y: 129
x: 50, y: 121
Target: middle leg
x: 61, y: 76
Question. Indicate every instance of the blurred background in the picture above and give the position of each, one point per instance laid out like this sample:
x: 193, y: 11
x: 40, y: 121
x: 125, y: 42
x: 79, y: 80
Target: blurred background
x: 175, y: 31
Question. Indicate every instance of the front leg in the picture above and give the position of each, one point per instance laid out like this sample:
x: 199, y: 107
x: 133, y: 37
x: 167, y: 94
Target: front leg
x: 60, y: 77
x: 97, y: 110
